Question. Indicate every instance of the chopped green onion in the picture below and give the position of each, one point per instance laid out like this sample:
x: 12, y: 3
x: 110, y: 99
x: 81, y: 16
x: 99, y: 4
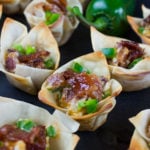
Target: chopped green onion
x: 90, y: 105
x: 141, y: 29
x: 106, y: 93
x: 19, y: 48
x: 25, y: 124
x: 50, y: 131
x: 49, y: 63
x: 30, y: 50
x: 81, y: 104
x: 79, y: 68
x: 51, y: 17
x: 109, y: 52
x: 134, y: 62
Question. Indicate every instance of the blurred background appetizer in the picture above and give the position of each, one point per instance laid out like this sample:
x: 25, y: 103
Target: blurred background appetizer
x: 141, y: 137
x: 14, y: 6
x: 141, y: 26
x: 27, y: 127
x: 27, y: 58
x: 55, y: 14
x: 83, y: 90
x: 129, y: 62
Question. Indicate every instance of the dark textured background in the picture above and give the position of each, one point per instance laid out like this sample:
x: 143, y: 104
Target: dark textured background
x: 115, y: 134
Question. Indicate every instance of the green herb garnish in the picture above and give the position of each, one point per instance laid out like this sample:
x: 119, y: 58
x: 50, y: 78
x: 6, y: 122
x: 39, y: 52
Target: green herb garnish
x: 50, y: 131
x: 141, y: 29
x: 90, y: 105
x: 134, y: 62
x: 109, y: 52
x: 51, y: 17
x: 25, y: 124
x: 49, y: 63
x: 78, y: 68
x: 30, y: 50
x: 19, y: 48
x: 24, y: 51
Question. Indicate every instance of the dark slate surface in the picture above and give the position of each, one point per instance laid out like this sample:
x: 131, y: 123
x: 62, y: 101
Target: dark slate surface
x: 115, y: 134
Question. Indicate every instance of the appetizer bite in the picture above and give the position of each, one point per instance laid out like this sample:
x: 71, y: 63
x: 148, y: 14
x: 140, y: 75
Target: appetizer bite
x: 141, y: 26
x: 83, y: 90
x: 14, y: 6
x: 141, y: 137
x: 55, y: 15
x: 129, y: 62
x: 27, y: 59
x: 28, y: 127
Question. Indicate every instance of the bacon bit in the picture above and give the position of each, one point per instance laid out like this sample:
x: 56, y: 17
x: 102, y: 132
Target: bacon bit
x: 128, y: 51
x: 58, y: 5
x: 34, y: 60
x: 77, y: 85
x: 11, y: 60
x: 35, y: 140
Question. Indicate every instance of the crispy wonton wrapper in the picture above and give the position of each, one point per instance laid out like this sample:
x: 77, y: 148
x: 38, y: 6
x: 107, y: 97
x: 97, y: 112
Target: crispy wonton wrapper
x: 27, y: 78
x: 22, y: 110
x: 140, y: 139
x: 63, y: 28
x: 96, y: 63
x: 14, y: 6
x: 134, y: 23
x: 133, y: 79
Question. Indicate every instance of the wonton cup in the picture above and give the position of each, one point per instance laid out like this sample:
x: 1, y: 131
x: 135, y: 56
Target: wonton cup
x: 62, y: 28
x: 140, y: 140
x: 22, y: 110
x: 134, y: 23
x: 136, y: 78
x: 96, y: 64
x: 14, y: 6
x: 27, y: 78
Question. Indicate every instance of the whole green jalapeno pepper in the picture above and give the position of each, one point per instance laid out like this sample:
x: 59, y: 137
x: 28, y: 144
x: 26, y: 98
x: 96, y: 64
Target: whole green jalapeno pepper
x: 107, y: 16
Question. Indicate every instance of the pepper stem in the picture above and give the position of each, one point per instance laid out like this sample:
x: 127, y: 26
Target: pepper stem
x: 101, y: 23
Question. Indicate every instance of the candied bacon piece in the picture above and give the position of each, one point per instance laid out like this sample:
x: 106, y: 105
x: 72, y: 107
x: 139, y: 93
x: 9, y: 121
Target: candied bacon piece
x: 56, y: 80
x: 58, y: 5
x: 35, y: 139
x: 34, y: 60
x: 128, y: 51
x: 76, y: 85
x: 38, y: 54
x: 11, y: 60
x: 84, y: 85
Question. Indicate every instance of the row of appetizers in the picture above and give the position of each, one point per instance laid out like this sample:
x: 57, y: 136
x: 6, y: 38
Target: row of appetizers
x: 84, y: 88
x: 54, y: 14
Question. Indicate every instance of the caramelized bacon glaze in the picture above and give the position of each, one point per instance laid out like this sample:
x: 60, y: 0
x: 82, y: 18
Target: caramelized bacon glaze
x: 34, y: 140
x: 128, y: 51
x: 76, y: 86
